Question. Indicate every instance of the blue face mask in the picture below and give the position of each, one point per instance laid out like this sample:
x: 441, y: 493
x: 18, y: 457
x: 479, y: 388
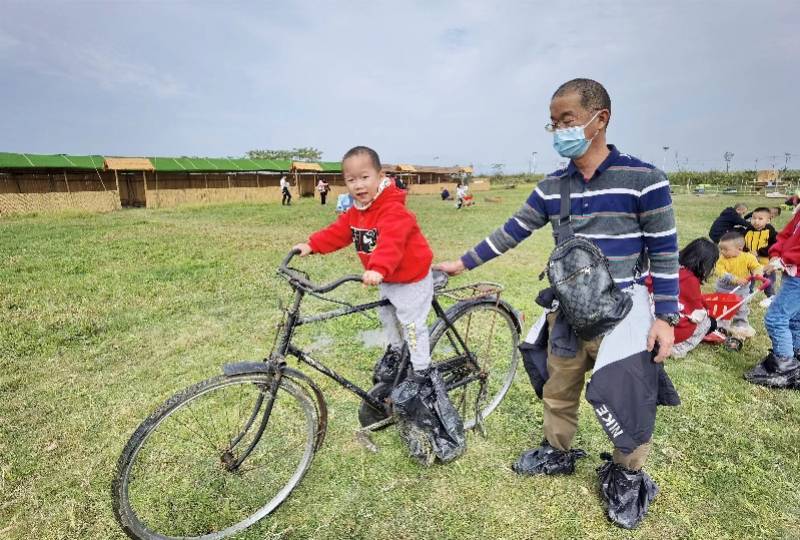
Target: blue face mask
x: 571, y: 142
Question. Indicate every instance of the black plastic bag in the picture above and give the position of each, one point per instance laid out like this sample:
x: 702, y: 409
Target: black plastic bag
x: 775, y: 372
x: 547, y: 460
x: 627, y: 494
x: 427, y: 420
x: 387, y: 367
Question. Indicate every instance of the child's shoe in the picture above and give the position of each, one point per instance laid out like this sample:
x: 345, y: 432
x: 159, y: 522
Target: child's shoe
x: 742, y: 331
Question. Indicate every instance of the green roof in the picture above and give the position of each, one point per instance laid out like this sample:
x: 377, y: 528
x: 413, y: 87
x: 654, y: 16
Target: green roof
x: 331, y: 166
x: 161, y: 164
x: 199, y: 164
x: 55, y: 161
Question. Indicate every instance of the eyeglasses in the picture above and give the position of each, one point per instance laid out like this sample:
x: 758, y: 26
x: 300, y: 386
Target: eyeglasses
x: 552, y: 126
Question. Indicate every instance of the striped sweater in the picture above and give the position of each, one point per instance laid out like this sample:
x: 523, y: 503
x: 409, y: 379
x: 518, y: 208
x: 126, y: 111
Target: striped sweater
x: 625, y: 209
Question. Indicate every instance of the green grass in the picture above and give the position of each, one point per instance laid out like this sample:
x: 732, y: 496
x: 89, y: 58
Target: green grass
x: 106, y: 316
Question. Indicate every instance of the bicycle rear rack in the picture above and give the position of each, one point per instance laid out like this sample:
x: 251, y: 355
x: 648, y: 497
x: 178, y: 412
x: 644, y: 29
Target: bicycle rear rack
x: 473, y: 291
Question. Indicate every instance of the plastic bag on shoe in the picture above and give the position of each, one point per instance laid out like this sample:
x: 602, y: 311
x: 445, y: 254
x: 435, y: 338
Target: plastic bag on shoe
x: 427, y: 420
x: 547, y: 460
x: 775, y: 372
x: 387, y: 366
x: 626, y: 494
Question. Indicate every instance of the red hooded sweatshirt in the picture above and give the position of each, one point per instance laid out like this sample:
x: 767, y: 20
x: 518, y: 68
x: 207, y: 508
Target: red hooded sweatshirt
x: 787, y: 247
x: 386, y: 237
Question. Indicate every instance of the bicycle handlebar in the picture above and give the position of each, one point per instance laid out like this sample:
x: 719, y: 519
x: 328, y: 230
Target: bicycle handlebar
x: 285, y: 270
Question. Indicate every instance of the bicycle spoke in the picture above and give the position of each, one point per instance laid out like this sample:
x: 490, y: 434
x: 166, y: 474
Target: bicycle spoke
x: 181, y: 481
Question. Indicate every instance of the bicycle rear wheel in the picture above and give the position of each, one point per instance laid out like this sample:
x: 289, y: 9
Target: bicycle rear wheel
x: 178, y: 476
x: 491, y: 331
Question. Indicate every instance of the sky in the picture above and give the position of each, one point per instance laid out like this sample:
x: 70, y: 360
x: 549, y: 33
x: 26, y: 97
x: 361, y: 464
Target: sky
x: 429, y: 82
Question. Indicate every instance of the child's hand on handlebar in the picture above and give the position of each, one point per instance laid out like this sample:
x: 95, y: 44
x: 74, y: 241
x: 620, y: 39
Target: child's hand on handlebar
x: 371, y: 277
x: 304, y: 249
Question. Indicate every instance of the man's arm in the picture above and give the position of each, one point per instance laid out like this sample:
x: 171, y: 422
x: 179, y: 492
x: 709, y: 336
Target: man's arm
x: 657, y: 220
x: 531, y: 216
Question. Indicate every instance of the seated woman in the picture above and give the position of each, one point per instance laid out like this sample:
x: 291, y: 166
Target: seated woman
x: 697, y: 261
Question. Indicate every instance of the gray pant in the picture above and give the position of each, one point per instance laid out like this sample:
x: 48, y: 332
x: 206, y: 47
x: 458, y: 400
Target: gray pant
x: 405, y: 319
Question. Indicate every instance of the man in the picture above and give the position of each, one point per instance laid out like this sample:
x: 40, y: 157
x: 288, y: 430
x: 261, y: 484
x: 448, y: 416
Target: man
x: 624, y: 206
x: 286, y: 191
x: 731, y: 219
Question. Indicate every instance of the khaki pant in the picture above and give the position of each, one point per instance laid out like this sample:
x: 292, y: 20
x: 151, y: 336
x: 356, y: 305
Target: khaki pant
x: 562, y: 394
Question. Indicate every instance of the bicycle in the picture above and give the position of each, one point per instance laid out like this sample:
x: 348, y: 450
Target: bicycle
x: 224, y: 453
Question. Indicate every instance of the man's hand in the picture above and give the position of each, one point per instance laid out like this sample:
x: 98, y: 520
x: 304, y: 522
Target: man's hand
x: 304, y: 248
x: 451, y: 268
x: 371, y: 277
x: 664, y: 334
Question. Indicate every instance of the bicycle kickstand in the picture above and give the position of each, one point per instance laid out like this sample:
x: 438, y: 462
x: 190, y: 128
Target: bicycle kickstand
x: 364, y: 435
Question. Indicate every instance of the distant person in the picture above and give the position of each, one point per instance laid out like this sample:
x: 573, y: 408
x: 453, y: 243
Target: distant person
x: 323, y: 188
x: 343, y: 203
x: 398, y: 182
x: 445, y: 193
x: 461, y: 195
x: 731, y: 219
x: 286, y: 191
x: 697, y: 263
x: 794, y: 201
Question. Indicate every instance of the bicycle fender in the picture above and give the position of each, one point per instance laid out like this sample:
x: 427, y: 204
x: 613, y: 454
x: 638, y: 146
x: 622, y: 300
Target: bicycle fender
x: 322, y: 406
x: 241, y: 368
x: 453, y: 310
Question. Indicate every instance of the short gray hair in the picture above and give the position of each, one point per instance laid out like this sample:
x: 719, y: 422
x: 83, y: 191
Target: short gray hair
x: 593, y: 95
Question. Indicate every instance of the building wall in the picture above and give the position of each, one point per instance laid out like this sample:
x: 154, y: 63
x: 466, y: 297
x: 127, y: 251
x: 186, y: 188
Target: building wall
x: 168, y: 198
x: 88, y: 201
x: 49, y: 182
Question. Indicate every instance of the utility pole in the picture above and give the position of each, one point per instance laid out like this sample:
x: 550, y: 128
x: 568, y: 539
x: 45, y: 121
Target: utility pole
x: 786, y: 163
x: 664, y: 165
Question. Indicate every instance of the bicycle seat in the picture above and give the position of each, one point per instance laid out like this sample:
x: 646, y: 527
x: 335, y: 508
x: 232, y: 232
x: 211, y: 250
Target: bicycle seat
x: 440, y: 280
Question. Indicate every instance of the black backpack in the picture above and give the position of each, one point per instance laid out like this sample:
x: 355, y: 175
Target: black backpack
x: 581, y: 280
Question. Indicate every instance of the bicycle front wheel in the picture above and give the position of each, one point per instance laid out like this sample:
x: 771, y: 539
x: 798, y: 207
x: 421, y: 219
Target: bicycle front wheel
x: 490, y: 330
x: 191, y: 470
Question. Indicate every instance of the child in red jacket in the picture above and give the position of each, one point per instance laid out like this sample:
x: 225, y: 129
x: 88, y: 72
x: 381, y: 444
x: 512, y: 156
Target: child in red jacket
x: 698, y: 260
x: 781, y: 367
x: 390, y: 244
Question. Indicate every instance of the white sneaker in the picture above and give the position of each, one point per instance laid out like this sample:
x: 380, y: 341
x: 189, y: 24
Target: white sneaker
x: 766, y: 302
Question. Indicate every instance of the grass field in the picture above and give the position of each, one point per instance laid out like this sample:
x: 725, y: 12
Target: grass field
x: 105, y: 316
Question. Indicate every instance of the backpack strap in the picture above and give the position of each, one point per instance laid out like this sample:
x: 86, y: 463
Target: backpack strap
x: 564, y: 230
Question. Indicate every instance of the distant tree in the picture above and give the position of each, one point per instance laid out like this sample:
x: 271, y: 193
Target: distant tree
x: 497, y: 169
x: 728, y: 156
x: 295, y: 154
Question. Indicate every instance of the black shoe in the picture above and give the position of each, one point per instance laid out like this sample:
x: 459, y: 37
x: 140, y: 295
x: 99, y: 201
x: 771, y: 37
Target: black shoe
x: 386, y: 368
x: 547, y: 460
x: 626, y: 494
x: 776, y: 372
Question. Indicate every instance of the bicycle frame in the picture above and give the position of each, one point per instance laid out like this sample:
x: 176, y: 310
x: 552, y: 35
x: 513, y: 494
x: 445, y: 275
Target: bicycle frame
x: 294, y: 320
x: 285, y: 347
